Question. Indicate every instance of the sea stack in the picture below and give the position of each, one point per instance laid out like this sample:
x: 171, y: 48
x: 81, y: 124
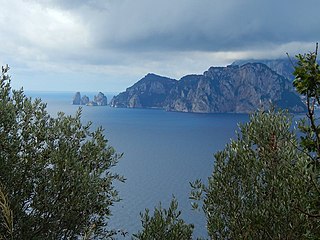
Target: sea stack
x: 76, y: 99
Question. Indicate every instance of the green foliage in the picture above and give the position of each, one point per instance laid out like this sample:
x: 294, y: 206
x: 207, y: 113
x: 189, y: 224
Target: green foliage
x: 164, y: 224
x: 307, y: 75
x: 258, y: 184
x: 55, y: 170
x: 6, y: 216
x: 307, y: 83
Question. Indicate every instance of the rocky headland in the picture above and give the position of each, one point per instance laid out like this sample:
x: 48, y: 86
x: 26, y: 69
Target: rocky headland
x: 235, y: 88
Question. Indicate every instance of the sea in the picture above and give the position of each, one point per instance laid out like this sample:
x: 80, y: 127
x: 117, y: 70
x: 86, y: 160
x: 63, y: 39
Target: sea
x: 162, y: 153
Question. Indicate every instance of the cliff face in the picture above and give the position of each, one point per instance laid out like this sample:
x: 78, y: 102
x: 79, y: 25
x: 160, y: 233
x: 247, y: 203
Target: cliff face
x: 239, y: 89
x: 234, y: 89
x: 150, y: 92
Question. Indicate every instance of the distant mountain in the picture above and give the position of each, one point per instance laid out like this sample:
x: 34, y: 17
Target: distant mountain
x: 151, y: 91
x: 284, y: 66
x: 238, y: 89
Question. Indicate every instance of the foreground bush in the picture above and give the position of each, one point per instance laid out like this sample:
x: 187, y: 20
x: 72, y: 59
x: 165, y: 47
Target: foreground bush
x: 258, y: 182
x: 164, y: 224
x: 55, y: 171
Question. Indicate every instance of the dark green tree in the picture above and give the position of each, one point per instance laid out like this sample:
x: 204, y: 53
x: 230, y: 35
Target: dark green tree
x: 307, y: 83
x: 6, y: 216
x: 164, y: 224
x: 56, y: 171
x: 258, y: 183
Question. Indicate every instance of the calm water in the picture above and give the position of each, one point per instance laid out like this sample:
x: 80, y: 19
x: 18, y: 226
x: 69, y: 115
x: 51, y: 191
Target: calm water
x: 163, y: 152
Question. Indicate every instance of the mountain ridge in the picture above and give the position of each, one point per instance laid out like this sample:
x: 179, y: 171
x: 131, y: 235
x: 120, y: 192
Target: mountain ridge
x: 234, y: 88
x: 282, y: 66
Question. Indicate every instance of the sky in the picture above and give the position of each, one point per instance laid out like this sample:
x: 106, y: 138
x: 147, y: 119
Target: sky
x: 108, y: 45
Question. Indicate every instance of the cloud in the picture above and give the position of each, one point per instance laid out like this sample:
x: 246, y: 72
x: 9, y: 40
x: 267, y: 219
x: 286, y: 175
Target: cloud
x: 34, y: 33
x: 130, y: 38
x: 190, y: 25
x: 205, y: 25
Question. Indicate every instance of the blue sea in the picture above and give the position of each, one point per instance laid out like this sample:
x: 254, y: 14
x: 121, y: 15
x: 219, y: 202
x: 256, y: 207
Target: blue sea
x: 163, y: 152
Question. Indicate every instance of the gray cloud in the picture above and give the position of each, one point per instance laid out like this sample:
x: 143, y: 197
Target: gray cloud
x: 205, y: 25
x: 169, y: 37
x: 189, y: 25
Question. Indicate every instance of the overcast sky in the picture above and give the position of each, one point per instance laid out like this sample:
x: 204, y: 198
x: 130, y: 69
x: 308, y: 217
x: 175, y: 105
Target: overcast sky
x: 107, y: 45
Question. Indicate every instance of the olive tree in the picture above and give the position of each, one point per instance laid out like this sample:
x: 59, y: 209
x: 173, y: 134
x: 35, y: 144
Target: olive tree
x: 164, y: 224
x: 6, y: 216
x: 307, y: 83
x: 258, y: 182
x: 56, y: 172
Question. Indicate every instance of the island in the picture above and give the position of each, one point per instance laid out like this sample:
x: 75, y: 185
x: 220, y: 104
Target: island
x: 231, y: 89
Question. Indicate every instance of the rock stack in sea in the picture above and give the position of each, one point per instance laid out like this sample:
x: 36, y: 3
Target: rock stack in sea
x: 98, y: 100
x: 76, y: 99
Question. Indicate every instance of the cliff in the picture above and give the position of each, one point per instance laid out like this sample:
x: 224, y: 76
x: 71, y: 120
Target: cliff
x: 150, y: 92
x: 284, y: 66
x: 238, y: 89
